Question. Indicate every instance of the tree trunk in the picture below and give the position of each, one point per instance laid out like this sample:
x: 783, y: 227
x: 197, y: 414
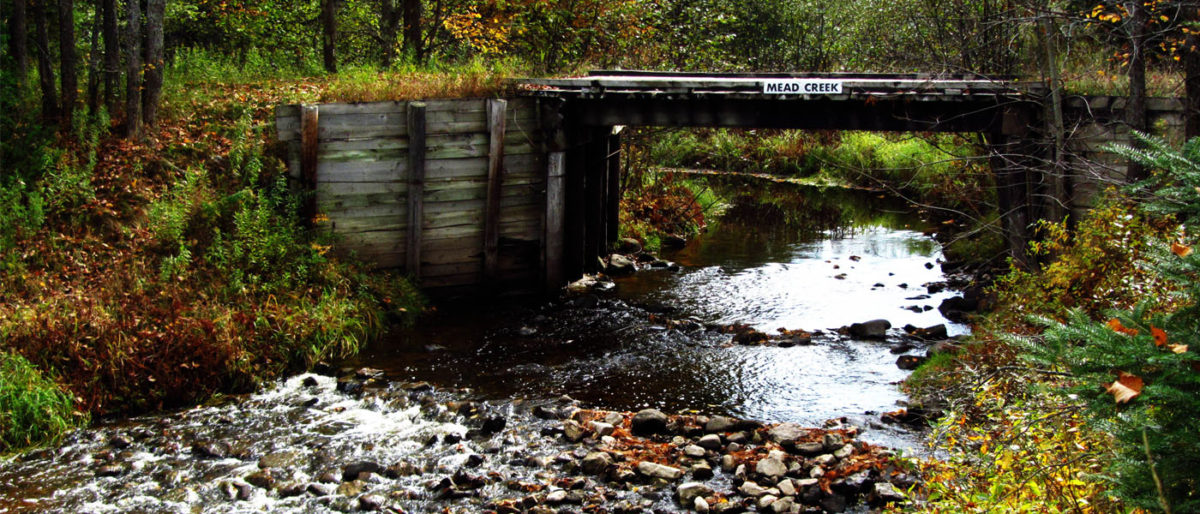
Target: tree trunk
x: 133, y: 71
x: 329, y: 34
x: 112, y: 55
x: 389, y: 28
x: 413, y: 45
x: 1191, y: 67
x: 45, y: 69
x: 1136, y: 113
x: 154, y: 61
x: 93, y: 64
x: 18, y: 45
x: 1058, y: 205
x: 67, y: 60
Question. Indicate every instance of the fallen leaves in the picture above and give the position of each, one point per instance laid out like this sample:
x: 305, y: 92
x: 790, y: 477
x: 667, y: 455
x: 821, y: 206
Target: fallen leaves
x: 1125, y: 388
x: 1116, y: 326
x: 1181, y: 250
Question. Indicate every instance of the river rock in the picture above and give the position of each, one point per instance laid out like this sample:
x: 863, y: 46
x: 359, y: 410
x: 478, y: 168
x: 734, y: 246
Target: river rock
x: 765, y: 501
x: 353, y: 488
x: 596, y: 463
x: 930, y: 333
x: 702, y: 471
x: 751, y: 489
x: 787, y: 487
x: 689, y: 491
x: 786, y: 434
x: 771, y: 467
x: 710, y: 442
x: 721, y: 424
x: 909, y: 362
x: 694, y: 451
x: 852, y: 484
x: 371, y: 502
x: 210, y: 449
x: 120, y: 442
x: 874, y: 329
x: 833, y: 503
x: 601, y: 428
x: 649, y: 422
x: 352, y: 471
x: 628, y: 245
x: 573, y: 431
x: 810, y: 449
x: 262, y: 479
x: 955, y: 308
x: 620, y: 265
x: 654, y: 470
x: 884, y: 493
x: 278, y: 460
x: 700, y: 504
x: 672, y: 241
x: 110, y: 470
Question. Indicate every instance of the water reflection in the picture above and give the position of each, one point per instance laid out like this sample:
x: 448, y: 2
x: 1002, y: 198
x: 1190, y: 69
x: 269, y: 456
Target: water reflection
x: 787, y: 256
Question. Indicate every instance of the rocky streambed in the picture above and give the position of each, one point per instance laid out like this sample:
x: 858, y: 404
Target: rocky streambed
x: 365, y: 443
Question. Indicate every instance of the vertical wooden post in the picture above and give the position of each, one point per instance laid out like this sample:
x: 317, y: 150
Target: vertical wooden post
x: 309, y: 139
x: 575, y: 212
x: 613, y: 191
x: 496, y: 110
x: 416, y: 186
x: 595, y: 168
x: 555, y: 215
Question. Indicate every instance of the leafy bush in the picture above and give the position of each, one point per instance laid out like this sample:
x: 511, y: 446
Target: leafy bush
x: 1093, y: 267
x: 33, y: 409
x: 1138, y: 369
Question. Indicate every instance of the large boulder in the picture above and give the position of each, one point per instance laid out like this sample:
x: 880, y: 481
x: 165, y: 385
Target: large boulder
x: 874, y: 329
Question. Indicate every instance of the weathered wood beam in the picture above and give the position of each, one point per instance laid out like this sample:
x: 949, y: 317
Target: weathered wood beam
x: 555, y: 217
x: 613, y: 190
x: 416, y: 187
x: 309, y: 117
x: 595, y: 167
x: 491, y: 219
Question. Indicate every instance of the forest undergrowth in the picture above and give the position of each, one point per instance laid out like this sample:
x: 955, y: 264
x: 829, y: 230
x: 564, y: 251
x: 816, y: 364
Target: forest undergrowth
x: 152, y: 273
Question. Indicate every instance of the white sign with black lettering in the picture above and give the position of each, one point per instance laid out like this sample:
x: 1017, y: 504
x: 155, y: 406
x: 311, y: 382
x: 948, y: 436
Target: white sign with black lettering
x: 802, y: 87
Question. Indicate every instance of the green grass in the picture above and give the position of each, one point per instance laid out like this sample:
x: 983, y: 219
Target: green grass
x: 33, y: 408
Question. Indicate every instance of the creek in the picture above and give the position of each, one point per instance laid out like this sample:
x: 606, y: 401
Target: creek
x: 464, y: 411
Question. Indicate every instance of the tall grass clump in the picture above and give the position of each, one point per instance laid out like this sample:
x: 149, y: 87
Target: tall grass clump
x: 33, y: 408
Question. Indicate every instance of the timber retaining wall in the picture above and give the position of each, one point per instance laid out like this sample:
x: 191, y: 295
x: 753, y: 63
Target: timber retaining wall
x: 453, y: 192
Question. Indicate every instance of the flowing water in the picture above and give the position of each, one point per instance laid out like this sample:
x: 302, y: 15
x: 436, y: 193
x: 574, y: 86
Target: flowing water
x: 783, y: 256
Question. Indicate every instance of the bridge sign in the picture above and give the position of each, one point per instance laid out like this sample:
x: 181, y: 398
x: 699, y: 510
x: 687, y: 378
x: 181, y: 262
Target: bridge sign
x: 802, y: 87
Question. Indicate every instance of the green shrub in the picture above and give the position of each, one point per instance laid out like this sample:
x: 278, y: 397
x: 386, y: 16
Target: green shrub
x: 1139, y: 369
x: 33, y: 409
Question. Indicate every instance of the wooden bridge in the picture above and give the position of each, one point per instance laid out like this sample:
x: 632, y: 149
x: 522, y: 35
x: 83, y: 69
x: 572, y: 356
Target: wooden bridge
x: 522, y: 193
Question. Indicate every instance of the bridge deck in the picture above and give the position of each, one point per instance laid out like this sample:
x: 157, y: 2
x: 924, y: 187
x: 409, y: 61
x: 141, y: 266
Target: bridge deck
x: 608, y: 84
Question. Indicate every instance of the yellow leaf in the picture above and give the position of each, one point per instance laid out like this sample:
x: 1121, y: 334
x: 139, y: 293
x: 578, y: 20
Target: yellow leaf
x: 1125, y: 388
x: 1181, y: 250
x: 1177, y: 348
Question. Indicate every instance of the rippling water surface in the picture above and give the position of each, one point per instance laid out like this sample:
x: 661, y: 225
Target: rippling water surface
x: 796, y: 258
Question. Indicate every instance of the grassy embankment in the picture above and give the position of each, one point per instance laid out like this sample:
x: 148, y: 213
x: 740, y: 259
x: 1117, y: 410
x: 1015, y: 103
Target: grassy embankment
x: 140, y: 275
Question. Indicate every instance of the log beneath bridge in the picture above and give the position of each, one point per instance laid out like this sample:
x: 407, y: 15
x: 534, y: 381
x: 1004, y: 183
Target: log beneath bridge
x: 522, y: 194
